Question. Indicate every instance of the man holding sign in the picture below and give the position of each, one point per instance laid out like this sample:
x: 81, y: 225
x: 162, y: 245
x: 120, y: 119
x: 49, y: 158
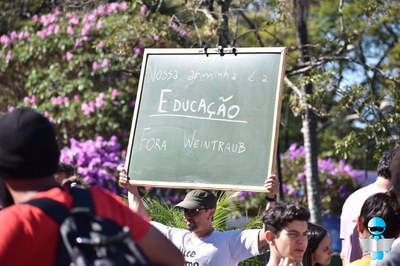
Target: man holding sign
x: 201, y: 244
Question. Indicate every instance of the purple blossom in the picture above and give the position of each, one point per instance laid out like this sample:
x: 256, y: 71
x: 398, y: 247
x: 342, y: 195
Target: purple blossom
x: 9, y: 56
x: 66, y: 101
x: 78, y: 42
x: 95, y: 65
x: 70, y: 30
x: 301, y: 177
x: 114, y: 93
x: 184, y: 33
x: 24, y: 35
x: 26, y: 100
x: 56, y: 29
x: 99, y: 24
x: 5, y: 39
x: 42, y: 33
x: 292, y: 191
x: 31, y: 100
x: 86, y: 30
x: 98, y: 161
x: 99, y: 102
x: 47, y: 114
x: 343, y: 191
x: 74, y: 21
x: 284, y: 187
x: 69, y: 55
x: 87, y: 38
x: 123, y: 5
x: 56, y: 101
x: 87, y: 109
x: 13, y: 35
x: 101, y: 44
x: 143, y: 9
x: 105, y: 63
x: 156, y: 37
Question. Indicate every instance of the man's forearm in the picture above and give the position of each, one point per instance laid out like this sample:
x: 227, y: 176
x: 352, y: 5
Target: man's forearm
x: 135, y: 202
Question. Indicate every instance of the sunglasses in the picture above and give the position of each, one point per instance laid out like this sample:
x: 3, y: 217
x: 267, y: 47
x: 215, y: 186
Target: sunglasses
x: 192, y: 212
x: 376, y: 228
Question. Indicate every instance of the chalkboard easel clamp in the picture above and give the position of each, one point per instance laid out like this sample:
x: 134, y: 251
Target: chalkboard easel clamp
x: 221, y: 51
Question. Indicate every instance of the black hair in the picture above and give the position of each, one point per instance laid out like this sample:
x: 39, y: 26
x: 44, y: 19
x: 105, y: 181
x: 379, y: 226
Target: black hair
x: 385, y: 206
x: 280, y: 215
x: 315, y: 235
x: 383, y: 168
x: 66, y: 168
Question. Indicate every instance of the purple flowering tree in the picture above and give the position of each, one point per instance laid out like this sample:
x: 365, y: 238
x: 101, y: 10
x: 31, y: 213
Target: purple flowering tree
x: 81, y: 67
x: 338, y: 179
x: 97, y: 161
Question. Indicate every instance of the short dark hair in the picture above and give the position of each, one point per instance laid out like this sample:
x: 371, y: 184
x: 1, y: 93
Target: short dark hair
x: 280, y: 215
x: 315, y: 235
x: 66, y: 168
x: 385, y: 206
x: 383, y: 168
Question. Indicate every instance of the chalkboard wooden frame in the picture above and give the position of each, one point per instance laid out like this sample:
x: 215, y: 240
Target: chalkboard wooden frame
x: 186, y: 59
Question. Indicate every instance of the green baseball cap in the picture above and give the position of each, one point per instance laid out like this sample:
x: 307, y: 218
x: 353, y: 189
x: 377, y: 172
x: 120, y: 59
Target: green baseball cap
x: 198, y: 198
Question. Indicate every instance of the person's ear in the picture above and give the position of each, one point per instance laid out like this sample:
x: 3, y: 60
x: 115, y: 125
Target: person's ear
x: 211, y: 214
x: 360, y: 226
x: 270, y: 237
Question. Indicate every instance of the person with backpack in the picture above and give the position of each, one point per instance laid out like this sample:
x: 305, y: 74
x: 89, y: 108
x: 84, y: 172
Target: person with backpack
x: 30, y: 228
x: 201, y: 243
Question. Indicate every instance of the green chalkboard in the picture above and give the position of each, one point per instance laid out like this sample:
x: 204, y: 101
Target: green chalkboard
x: 206, y: 119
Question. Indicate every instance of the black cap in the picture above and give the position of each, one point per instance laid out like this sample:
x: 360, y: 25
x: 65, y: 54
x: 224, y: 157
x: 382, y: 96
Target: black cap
x: 28, y: 145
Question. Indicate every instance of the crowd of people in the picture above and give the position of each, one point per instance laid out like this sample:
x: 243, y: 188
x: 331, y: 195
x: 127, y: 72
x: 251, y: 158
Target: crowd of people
x: 30, y: 169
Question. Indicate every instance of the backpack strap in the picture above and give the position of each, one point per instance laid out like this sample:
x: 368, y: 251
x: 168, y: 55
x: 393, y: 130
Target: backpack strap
x: 57, y: 211
x: 82, y: 199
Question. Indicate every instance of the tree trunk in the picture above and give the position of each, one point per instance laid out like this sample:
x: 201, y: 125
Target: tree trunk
x: 224, y: 23
x: 300, y: 13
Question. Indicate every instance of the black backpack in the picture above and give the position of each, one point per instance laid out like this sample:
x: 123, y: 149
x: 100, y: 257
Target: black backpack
x: 87, y: 239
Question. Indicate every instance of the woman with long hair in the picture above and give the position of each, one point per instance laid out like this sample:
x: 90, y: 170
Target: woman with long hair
x: 319, y: 251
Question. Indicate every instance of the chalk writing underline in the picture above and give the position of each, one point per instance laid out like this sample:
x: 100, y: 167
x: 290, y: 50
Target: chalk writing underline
x: 202, y: 118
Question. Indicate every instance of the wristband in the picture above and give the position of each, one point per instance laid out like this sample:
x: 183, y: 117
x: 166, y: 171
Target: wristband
x: 270, y: 199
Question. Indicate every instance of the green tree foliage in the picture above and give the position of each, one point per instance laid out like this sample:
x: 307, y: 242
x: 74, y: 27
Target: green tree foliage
x: 81, y: 68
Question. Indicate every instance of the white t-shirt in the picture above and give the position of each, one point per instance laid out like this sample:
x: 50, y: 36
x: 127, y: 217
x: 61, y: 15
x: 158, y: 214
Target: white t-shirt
x: 217, y: 249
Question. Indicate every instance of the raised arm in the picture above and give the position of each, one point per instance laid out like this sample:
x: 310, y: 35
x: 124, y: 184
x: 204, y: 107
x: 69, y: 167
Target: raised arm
x: 135, y: 203
x: 271, y: 185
